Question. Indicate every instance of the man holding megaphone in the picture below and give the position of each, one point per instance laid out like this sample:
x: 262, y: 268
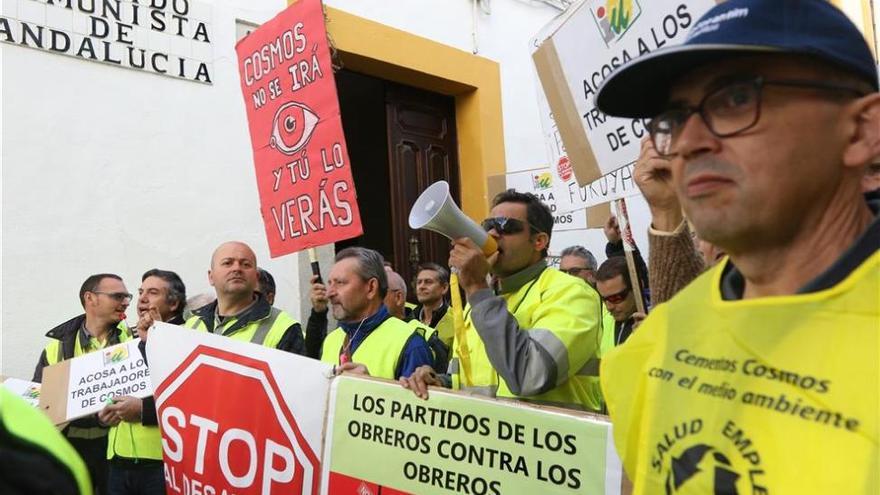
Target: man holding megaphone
x: 533, y: 335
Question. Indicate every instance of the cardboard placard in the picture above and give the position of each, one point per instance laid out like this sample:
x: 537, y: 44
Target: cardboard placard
x: 307, y: 194
x: 456, y: 443
x: 580, y: 51
x: 79, y: 387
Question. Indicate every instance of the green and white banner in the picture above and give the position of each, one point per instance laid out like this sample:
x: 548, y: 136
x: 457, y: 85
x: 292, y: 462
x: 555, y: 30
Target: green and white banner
x: 380, y: 438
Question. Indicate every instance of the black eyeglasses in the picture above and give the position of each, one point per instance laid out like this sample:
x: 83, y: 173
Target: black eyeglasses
x: 728, y: 110
x: 506, y: 225
x: 117, y: 296
x: 616, y: 298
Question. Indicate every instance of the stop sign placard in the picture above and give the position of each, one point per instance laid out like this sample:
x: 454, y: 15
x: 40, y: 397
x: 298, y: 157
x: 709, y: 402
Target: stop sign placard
x: 226, y: 428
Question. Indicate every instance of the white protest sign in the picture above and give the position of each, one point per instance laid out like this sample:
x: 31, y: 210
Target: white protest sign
x: 382, y: 439
x: 95, y: 378
x: 236, y: 417
x: 593, y: 39
x: 540, y: 182
x: 29, y: 391
x: 570, y: 196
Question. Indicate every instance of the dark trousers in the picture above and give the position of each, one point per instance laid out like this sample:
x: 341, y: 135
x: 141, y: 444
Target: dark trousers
x: 143, y: 478
x: 94, y: 454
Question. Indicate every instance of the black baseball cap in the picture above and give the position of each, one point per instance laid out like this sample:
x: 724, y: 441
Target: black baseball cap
x: 813, y: 28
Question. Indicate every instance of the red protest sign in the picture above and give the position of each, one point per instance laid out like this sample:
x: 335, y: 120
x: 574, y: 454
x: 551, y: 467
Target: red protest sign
x: 307, y: 196
x: 243, y: 441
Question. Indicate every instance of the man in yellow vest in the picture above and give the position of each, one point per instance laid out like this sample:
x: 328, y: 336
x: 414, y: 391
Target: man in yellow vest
x: 134, y: 445
x: 535, y: 336
x: 240, y: 312
x: 37, y: 460
x: 369, y: 339
x: 104, y: 299
x: 394, y: 301
x: 760, y: 376
x: 432, y: 287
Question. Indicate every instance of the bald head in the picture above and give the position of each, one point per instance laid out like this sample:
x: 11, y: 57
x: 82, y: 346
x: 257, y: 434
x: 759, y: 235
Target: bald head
x: 395, y: 299
x: 233, y: 246
x: 233, y: 273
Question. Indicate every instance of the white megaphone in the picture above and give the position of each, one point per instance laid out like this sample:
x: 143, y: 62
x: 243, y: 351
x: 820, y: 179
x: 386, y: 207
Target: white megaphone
x: 435, y: 211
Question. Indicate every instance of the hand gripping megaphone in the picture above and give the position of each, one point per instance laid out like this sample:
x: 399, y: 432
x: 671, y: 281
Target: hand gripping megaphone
x: 436, y: 211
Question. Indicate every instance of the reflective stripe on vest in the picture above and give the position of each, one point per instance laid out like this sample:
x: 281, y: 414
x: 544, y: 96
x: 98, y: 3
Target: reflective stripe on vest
x: 265, y: 325
x: 553, y: 309
x: 267, y: 331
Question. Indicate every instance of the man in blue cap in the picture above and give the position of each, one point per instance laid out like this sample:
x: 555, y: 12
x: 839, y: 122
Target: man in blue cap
x: 762, y: 375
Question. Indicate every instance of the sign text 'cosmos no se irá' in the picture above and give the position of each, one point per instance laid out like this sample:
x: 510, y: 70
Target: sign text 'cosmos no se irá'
x: 307, y: 196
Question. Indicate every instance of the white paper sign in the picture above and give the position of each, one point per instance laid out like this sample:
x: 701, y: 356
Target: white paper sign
x: 29, y: 391
x: 595, y: 39
x: 95, y: 378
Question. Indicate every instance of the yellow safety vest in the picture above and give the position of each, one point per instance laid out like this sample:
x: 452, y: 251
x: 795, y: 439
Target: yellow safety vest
x: 606, y: 343
x: 30, y: 425
x: 555, y: 302
x: 134, y: 441
x: 767, y: 395
x: 55, y: 353
x: 266, y: 331
x: 446, y: 328
x: 380, y: 351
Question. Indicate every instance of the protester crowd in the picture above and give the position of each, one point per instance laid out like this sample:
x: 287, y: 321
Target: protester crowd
x: 760, y: 173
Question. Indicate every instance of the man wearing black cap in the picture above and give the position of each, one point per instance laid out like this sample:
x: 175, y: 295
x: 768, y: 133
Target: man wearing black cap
x: 762, y: 375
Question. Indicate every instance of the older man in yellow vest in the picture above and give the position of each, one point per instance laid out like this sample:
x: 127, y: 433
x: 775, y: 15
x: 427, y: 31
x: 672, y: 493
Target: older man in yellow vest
x: 369, y: 339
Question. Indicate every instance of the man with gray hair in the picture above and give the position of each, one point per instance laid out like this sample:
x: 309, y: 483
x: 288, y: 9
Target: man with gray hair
x: 369, y: 339
x: 578, y: 261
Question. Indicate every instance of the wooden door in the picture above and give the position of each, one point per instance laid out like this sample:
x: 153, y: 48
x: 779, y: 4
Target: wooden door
x: 422, y: 149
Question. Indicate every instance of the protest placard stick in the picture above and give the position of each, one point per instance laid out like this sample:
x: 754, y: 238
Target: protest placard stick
x: 628, y: 248
x: 316, y: 268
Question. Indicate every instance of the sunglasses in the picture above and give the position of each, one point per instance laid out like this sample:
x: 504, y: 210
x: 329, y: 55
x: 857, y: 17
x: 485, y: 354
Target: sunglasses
x: 117, y: 296
x: 616, y: 298
x: 506, y: 225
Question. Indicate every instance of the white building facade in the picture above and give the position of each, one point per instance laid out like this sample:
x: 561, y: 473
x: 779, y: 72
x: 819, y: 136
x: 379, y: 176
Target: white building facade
x: 133, y: 152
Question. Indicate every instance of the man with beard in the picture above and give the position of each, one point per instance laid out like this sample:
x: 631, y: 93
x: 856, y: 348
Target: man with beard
x: 369, y: 340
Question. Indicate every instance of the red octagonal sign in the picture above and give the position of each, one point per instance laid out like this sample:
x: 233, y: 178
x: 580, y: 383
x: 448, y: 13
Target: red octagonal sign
x: 226, y: 429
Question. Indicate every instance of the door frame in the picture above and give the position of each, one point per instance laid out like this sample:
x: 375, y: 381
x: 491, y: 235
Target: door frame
x: 382, y: 51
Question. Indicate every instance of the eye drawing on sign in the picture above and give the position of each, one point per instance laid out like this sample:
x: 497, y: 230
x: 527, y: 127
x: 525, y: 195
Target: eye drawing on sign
x: 292, y: 127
